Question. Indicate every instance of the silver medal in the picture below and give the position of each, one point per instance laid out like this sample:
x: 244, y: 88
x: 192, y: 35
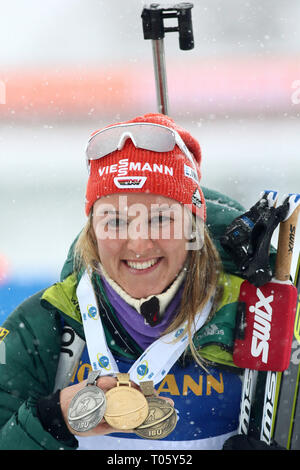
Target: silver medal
x: 88, y: 406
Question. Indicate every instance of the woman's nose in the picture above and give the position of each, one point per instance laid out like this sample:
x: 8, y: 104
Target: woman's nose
x: 139, y: 241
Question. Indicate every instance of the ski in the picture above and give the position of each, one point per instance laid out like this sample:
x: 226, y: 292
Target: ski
x: 253, y: 380
x: 269, y: 396
x: 287, y: 426
x: 266, y: 313
x: 249, y: 386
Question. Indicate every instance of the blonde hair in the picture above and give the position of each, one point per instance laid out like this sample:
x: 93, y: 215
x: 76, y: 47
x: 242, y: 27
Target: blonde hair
x: 203, y: 269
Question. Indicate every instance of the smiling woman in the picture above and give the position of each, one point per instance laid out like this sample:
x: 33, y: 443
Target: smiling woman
x: 142, y: 256
x: 143, y: 302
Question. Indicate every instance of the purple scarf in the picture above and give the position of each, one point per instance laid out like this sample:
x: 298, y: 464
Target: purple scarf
x: 134, y: 322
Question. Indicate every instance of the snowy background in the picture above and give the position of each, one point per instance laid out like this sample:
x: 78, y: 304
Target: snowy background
x: 69, y: 67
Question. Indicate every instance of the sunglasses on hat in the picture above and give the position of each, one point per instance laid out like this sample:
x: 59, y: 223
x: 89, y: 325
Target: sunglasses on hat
x: 144, y: 135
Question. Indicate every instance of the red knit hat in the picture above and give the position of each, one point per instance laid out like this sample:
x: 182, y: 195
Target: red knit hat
x: 134, y: 170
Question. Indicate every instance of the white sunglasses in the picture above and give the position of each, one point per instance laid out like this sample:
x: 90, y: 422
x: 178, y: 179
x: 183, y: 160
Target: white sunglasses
x: 144, y: 135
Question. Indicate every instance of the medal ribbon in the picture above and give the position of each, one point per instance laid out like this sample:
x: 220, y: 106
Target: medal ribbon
x: 156, y: 360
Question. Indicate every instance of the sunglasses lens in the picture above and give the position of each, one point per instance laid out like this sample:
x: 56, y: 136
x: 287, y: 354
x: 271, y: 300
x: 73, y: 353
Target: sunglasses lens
x: 100, y: 145
x: 161, y: 139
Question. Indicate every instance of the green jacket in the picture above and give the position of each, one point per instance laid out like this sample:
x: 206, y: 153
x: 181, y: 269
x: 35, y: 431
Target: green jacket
x: 32, y: 339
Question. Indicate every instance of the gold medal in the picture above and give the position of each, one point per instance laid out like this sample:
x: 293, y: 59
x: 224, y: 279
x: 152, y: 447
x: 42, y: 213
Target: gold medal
x: 126, y: 407
x: 162, y: 417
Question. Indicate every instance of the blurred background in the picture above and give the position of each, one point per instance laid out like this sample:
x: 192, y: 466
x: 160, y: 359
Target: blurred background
x: 69, y: 67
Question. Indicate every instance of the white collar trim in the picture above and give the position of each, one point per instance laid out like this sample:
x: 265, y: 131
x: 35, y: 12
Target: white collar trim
x: 164, y: 298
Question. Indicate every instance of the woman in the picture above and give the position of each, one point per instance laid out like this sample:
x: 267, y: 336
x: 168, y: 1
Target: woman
x: 142, y: 292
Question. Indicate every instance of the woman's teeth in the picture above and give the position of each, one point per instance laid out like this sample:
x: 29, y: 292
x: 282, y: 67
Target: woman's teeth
x: 142, y: 264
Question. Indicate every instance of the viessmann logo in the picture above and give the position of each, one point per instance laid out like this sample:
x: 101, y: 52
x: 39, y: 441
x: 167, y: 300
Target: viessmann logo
x: 122, y: 180
x: 124, y: 166
x: 262, y: 326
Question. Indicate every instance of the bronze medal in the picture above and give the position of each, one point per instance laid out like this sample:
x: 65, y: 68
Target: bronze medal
x: 126, y: 407
x: 161, y: 419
